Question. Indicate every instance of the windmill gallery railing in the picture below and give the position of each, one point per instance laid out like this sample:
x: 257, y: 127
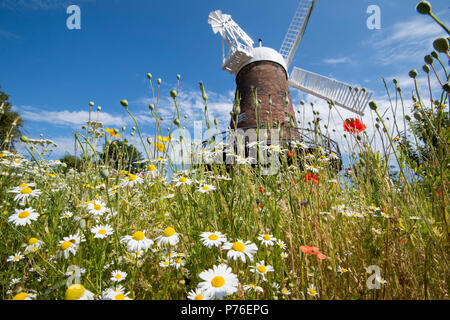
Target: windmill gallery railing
x: 308, y: 140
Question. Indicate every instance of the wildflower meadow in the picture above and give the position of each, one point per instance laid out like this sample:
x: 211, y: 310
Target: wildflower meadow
x: 209, y: 221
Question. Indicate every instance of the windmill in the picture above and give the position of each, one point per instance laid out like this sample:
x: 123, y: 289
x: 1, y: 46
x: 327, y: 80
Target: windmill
x: 262, y: 74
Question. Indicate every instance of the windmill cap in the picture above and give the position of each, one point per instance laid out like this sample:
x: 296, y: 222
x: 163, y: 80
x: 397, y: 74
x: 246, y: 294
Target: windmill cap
x: 266, y: 54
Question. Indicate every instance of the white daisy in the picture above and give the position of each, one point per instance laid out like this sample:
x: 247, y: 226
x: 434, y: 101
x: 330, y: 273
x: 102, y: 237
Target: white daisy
x: 218, y: 281
x: 117, y: 293
x: 169, y: 237
x: 239, y: 249
x: 131, y: 180
x: 267, y: 239
x: 102, y: 231
x: 261, y: 270
x: 312, y: 291
x: 165, y: 263
x: 206, y: 188
x: 33, y: 245
x: 96, y: 207
x: 117, y: 276
x: 25, y: 193
x: 15, y: 258
x: 66, y: 215
x: 78, y: 292
x: 182, y: 180
x: 213, y: 239
x: 137, y: 242
x: 253, y: 287
x: 342, y: 270
x: 198, y: 294
x: 23, y: 217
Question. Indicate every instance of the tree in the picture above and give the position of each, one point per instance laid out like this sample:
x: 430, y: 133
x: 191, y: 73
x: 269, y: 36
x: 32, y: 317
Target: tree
x: 72, y: 162
x: 119, y: 154
x: 10, y: 124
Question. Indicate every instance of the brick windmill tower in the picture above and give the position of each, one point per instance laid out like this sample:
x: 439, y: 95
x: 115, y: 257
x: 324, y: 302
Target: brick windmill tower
x: 262, y: 75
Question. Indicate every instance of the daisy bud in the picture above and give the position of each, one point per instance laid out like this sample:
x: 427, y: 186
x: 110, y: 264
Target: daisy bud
x: 413, y: 73
x: 302, y: 102
x: 373, y: 105
x: 124, y: 103
x: 24, y: 139
x: 91, y: 103
x: 441, y: 45
x: 426, y: 68
x: 394, y: 81
x: 123, y: 128
x: 237, y: 109
x: 173, y: 94
x: 428, y: 59
x: 149, y: 140
x: 377, y: 126
x: 424, y: 7
x: 417, y: 116
x: 414, y: 98
x: 408, y: 118
x: 99, y: 108
x: 161, y: 118
x: 151, y: 106
x: 159, y: 81
x: 215, y: 122
x: 178, y: 77
x: 176, y: 122
x: 149, y: 76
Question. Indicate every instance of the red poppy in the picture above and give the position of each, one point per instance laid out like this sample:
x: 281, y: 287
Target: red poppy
x: 261, y: 189
x: 354, y: 125
x: 312, y: 177
x: 293, y: 181
x: 312, y: 250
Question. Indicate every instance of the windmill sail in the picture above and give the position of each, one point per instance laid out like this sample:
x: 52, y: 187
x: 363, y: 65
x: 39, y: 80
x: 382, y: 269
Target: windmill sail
x: 329, y: 89
x: 296, y: 30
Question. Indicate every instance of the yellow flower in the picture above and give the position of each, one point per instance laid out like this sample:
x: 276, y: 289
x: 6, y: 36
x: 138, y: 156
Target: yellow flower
x: 161, y: 147
x: 165, y: 139
x: 113, y: 132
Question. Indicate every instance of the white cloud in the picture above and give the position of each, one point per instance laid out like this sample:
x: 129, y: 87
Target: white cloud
x: 69, y: 118
x: 335, y: 61
x: 406, y: 41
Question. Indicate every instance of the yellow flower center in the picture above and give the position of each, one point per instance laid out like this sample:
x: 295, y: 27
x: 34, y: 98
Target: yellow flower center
x: 312, y: 291
x: 151, y: 167
x: 131, y: 177
x: 213, y: 237
x: 179, y: 260
x: 169, y: 231
x: 26, y: 190
x: 66, y: 245
x: 20, y: 296
x: 218, y: 281
x: 120, y: 296
x: 138, y: 235
x: 182, y: 179
x: 166, y: 263
x: 261, y: 269
x: 102, y: 231
x: 205, y: 188
x: 24, y: 214
x: 97, y: 207
x: 199, y: 297
x: 75, y: 292
x: 266, y: 237
x: 32, y: 241
x: 118, y: 276
x: 237, y: 246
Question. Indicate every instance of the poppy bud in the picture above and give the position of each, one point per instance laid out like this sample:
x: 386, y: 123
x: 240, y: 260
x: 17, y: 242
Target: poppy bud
x: 424, y: 7
x: 124, y: 103
x: 428, y: 59
x: 413, y: 73
x: 441, y: 45
x: 394, y: 81
x: 446, y: 87
x: 151, y: 106
x: 173, y: 94
x: 373, y: 105
x: 426, y: 68
x: 149, y: 76
x: 434, y: 54
x: 408, y: 118
x: 159, y: 81
x: 302, y: 102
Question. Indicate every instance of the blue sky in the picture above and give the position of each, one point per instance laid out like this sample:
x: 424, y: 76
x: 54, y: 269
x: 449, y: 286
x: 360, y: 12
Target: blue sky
x: 51, y: 72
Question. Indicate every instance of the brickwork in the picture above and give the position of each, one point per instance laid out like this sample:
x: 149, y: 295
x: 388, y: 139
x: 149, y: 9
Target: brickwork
x: 267, y: 78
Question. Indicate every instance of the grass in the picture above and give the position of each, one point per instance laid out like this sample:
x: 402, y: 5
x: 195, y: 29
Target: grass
x: 369, y: 218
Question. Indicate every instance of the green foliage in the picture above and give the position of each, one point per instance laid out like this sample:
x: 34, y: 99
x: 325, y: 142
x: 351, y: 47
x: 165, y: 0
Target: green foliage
x: 10, y: 123
x: 120, y: 154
